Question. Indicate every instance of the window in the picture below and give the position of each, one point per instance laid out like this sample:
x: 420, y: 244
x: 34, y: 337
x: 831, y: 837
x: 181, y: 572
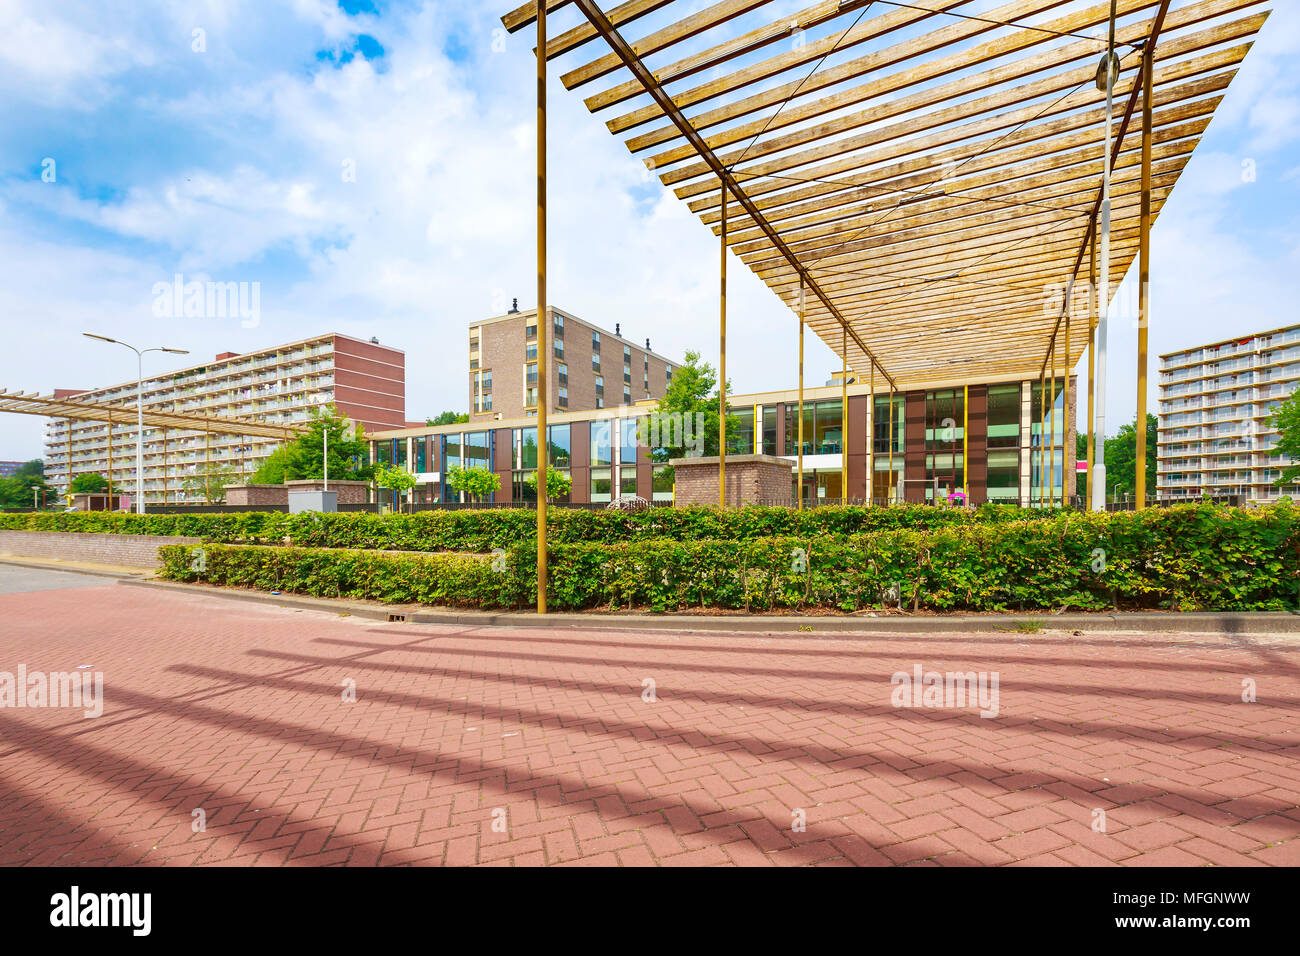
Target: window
x: 627, y: 395
x: 627, y: 443
x: 880, y: 427
x: 559, y: 324
x: 740, y: 430
x: 530, y: 332
x: 559, y: 348
x: 602, y: 484
x: 473, y: 364
x: 601, y: 436
x: 473, y: 345
x: 595, y: 362
x: 945, y: 466
x: 669, y: 372
x: 595, y: 342
x: 1004, y: 417
x: 627, y: 354
x: 662, y: 484
x: 600, y: 385
x: 421, y: 453
x: 600, y: 402
x: 822, y: 428
x: 769, y: 430
x: 531, y: 374
x: 563, y: 400
x: 530, y: 397
x: 562, y: 371
x: 530, y: 351
x: 627, y: 373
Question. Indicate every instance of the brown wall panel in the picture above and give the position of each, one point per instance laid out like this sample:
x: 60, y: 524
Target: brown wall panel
x: 977, y: 435
x: 914, y: 446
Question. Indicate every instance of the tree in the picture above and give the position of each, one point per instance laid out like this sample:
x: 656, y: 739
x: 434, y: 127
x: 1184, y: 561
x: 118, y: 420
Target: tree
x: 209, y: 482
x: 1286, y: 419
x: 558, y: 484
x: 395, y: 479
x: 691, y: 393
x: 447, y: 418
x: 1121, y: 454
x: 304, y: 457
x: 16, y: 491
x: 89, y: 483
x: 478, y: 483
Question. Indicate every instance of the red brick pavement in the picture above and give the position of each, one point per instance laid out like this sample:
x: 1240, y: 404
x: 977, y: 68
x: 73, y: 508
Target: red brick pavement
x: 236, y: 709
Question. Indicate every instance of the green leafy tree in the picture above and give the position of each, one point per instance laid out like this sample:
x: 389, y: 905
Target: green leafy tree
x: 1286, y: 419
x: 693, y: 390
x: 448, y: 418
x: 1121, y: 457
x: 477, y: 483
x: 304, y: 457
x: 558, y: 484
x: 89, y: 483
x: 26, y: 486
x: 209, y: 482
x: 273, y: 470
x: 395, y: 479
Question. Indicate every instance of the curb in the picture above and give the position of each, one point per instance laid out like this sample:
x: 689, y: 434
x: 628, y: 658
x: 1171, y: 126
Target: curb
x: 1194, y: 622
x: 103, y: 572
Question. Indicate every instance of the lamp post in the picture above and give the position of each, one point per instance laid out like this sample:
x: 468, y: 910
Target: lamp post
x: 139, y: 411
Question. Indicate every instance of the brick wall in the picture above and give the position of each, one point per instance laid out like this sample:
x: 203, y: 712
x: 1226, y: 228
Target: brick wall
x: 128, y: 550
x: 257, y: 495
x: 749, y: 479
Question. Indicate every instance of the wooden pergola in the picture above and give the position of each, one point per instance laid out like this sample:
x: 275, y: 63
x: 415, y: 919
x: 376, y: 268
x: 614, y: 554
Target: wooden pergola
x: 933, y: 187
x: 73, y: 409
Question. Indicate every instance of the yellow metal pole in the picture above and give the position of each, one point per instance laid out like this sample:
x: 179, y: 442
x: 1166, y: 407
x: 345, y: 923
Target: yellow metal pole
x: 844, y: 416
x: 1092, y: 363
x: 1042, y: 433
x: 110, y: 463
x: 543, y: 318
x: 722, y: 361
x: 799, y: 450
x: 1144, y: 296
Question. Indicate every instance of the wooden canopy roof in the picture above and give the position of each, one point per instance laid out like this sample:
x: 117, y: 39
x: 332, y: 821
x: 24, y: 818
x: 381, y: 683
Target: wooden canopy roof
x: 28, y: 403
x: 929, y: 170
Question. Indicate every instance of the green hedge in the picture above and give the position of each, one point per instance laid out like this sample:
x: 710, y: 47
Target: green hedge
x: 483, y: 531
x: 1180, y: 559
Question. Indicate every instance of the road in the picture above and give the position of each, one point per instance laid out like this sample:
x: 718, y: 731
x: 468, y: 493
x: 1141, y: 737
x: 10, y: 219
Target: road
x: 239, y: 733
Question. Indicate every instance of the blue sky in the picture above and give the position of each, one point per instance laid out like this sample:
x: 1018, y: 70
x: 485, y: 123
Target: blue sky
x: 213, y: 139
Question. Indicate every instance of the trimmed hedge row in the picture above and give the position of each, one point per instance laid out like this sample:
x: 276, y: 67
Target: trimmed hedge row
x: 505, y: 527
x: 1179, y: 559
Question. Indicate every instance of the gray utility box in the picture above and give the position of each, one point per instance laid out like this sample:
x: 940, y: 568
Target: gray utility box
x: 300, y: 501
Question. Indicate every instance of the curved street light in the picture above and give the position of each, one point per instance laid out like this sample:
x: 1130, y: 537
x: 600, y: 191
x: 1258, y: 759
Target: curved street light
x: 139, y: 411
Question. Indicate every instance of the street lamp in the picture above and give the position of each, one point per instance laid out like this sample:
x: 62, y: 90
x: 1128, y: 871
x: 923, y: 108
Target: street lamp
x: 139, y: 411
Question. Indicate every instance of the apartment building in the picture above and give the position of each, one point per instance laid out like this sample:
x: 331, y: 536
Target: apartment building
x: 996, y: 441
x: 1214, y: 405
x: 590, y: 368
x: 366, y: 382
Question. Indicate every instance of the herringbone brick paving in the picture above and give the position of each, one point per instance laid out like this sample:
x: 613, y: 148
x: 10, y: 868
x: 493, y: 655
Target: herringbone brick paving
x: 470, y: 745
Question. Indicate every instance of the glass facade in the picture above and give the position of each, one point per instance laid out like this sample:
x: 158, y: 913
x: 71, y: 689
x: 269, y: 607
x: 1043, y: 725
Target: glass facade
x: 823, y: 428
x: 1047, y: 437
x: 769, y: 430
x: 1004, y: 443
x: 740, y: 430
x: 945, y: 436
